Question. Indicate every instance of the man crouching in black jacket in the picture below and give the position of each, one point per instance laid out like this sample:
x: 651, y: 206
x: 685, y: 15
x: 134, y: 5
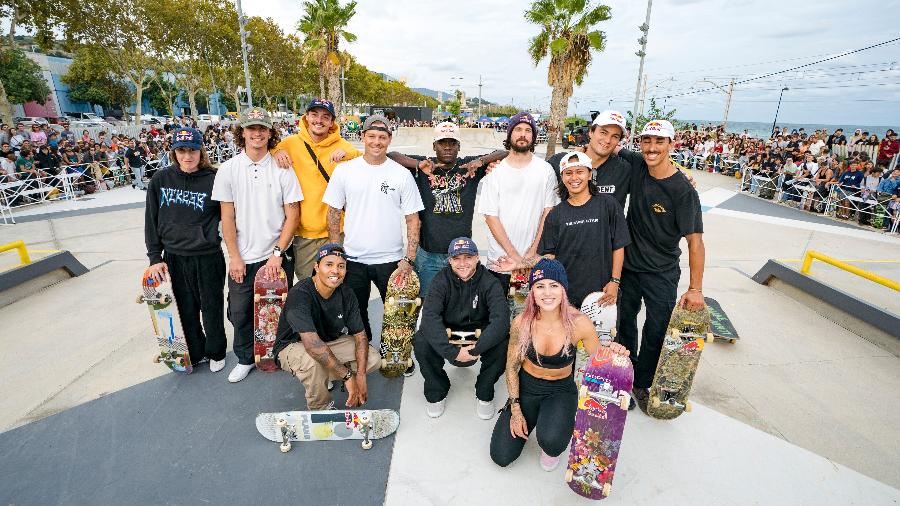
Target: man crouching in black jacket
x: 463, y: 297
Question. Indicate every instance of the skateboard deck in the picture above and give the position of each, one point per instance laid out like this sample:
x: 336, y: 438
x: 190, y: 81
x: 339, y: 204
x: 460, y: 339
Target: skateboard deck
x: 462, y: 337
x: 401, y: 310
x: 604, y: 319
x: 268, y: 301
x: 720, y: 325
x: 364, y: 424
x: 518, y: 292
x: 173, y: 350
x: 603, y: 399
x: 685, y: 337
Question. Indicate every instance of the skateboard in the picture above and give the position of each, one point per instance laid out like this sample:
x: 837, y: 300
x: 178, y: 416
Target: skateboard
x: 401, y: 309
x: 268, y: 301
x: 332, y: 425
x: 687, y: 333
x: 720, y: 325
x: 518, y: 291
x: 603, y: 400
x: 463, y: 338
x: 173, y: 350
x: 766, y: 187
x: 604, y: 319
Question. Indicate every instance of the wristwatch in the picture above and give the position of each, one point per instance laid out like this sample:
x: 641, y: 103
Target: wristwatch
x: 408, y: 260
x: 277, y: 251
x: 347, y: 376
x: 616, y: 280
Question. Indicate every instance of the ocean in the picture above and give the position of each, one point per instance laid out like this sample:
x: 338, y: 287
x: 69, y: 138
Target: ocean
x: 762, y: 130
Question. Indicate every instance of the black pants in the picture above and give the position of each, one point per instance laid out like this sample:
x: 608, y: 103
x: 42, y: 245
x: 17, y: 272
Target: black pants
x: 240, y: 307
x: 504, y: 279
x: 549, y: 407
x: 358, y: 278
x: 437, y: 383
x: 198, y: 284
x: 658, y: 291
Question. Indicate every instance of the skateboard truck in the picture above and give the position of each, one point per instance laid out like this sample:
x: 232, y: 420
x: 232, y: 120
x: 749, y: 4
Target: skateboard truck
x: 285, y: 447
x: 592, y: 482
x: 464, y: 337
x: 270, y: 295
x: 622, y: 400
x: 688, y: 336
x: 657, y: 402
x: 366, y: 429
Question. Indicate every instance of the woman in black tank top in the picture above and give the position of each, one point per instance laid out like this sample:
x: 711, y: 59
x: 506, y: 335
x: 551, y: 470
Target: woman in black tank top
x: 539, y: 369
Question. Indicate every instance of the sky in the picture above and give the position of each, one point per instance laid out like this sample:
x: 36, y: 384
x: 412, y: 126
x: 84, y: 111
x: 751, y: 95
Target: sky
x: 444, y: 45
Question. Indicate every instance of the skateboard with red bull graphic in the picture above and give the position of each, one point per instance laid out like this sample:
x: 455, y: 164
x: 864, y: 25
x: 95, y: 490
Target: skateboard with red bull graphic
x: 401, y: 310
x: 687, y: 333
x: 604, y: 319
x: 173, y: 350
x: 603, y: 399
x: 518, y: 292
x: 269, y: 296
x: 331, y: 425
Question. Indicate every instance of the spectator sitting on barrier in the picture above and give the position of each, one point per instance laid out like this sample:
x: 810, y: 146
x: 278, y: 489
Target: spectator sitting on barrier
x: 850, y: 182
x: 856, y: 137
x: 888, y: 148
x: 47, y: 160
x: 871, y: 180
x: 788, y: 172
x: 8, y: 167
x: 889, y: 184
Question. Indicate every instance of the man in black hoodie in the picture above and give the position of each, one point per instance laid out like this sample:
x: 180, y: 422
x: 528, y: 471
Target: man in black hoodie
x: 463, y: 297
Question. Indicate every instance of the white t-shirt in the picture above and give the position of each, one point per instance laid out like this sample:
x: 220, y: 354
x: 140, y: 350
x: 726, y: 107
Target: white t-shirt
x: 518, y: 197
x: 375, y: 199
x: 259, y: 191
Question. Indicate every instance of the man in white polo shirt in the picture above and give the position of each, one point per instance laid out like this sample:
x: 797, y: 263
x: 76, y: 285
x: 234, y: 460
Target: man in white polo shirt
x: 260, y: 211
x: 373, y: 193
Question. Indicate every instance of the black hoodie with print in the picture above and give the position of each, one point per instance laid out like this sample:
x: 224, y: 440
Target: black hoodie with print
x: 180, y: 216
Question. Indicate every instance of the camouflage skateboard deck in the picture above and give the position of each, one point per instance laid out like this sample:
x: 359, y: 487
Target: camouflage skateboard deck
x: 604, y: 319
x: 173, y: 350
x: 333, y: 425
x: 401, y: 310
x: 685, y: 337
x: 269, y: 296
x: 603, y: 399
x: 518, y: 292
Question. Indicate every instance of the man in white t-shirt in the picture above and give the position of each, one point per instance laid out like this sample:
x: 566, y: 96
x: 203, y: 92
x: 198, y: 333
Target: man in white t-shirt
x: 516, y: 197
x: 260, y: 210
x: 373, y: 193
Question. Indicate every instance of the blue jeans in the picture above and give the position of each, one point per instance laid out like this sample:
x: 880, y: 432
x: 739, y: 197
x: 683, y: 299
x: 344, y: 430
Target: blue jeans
x: 428, y: 264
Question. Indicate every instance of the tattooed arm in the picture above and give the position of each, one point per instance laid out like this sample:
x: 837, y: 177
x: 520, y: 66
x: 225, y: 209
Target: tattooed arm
x: 334, y: 224
x: 412, y: 234
x: 322, y: 354
x: 517, y: 425
x: 362, y: 356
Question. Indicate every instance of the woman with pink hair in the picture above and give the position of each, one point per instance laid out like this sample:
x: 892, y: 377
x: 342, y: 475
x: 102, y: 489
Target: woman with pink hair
x: 539, y: 368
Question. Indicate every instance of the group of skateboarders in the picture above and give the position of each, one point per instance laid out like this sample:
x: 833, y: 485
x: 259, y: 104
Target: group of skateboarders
x: 315, y: 206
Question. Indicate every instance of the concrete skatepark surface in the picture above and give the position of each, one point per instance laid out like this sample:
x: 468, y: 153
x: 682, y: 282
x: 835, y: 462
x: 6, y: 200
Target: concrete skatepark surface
x: 798, y: 412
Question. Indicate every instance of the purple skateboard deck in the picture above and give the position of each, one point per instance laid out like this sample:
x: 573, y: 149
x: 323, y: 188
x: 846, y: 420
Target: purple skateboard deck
x: 599, y: 421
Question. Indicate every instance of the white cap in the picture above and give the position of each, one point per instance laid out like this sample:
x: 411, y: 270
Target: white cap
x: 446, y: 130
x: 582, y: 161
x: 659, y: 128
x: 610, y: 118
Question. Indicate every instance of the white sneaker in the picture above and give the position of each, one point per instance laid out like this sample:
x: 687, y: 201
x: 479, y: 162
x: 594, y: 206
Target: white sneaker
x: 435, y: 409
x: 216, y: 365
x: 240, y: 372
x: 330, y: 406
x: 484, y: 410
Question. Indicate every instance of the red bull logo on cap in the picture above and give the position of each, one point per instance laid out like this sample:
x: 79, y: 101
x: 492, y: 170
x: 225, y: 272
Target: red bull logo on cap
x: 460, y: 244
x: 184, y: 135
x: 256, y: 114
x: 616, y: 117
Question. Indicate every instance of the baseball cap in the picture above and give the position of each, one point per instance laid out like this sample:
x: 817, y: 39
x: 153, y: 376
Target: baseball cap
x: 256, y: 116
x: 659, y: 128
x: 446, y: 130
x: 609, y: 117
x: 369, y: 124
x: 330, y: 248
x: 462, y: 246
x: 322, y: 103
x: 185, y: 137
x: 582, y: 160
x: 521, y: 117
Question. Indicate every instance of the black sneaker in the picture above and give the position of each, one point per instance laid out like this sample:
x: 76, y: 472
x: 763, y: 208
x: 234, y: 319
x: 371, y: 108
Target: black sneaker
x: 410, y: 371
x: 631, y: 403
x: 640, y: 395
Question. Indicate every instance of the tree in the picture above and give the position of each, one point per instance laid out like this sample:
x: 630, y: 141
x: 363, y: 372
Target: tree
x: 21, y: 80
x: 568, y: 38
x: 161, y: 94
x: 322, y: 26
x: 653, y: 113
x: 92, y: 79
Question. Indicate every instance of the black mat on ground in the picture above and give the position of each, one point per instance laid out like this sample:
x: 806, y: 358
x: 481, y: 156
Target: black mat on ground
x: 756, y: 205
x: 77, y: 212
x: 191, y: 439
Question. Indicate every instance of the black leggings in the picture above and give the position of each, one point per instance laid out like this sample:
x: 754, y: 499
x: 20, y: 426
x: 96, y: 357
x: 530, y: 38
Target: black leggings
x: 548, y: 406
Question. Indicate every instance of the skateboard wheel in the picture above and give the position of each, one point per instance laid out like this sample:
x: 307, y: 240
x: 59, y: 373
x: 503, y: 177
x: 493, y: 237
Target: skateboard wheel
x: 606, y: 490
x: 409, y: 362
x: 284, y: 297
x: 418, y: 301
x: 256, y: 298
x: 676, y: 333
x: 654, y: 401
x: 281, y: 422
x: 688, y: 407
x: 157, y: 359
x: 366, y: 445
x: 583, y: 391
x: 569, y: 475
x: 449, y: 333
x: 140, y: 299
x: 165, y: 299
x: 710, y: 337
x: 477, y: 333
x: 257, y: 358
x: 624, y: 401
x: 613, y: 331
x: 383, y: 363
x: 180, y: 361
x: 512, y: 291
x: 392, y: 301
x: 732, y: 341
x: 285, y: 447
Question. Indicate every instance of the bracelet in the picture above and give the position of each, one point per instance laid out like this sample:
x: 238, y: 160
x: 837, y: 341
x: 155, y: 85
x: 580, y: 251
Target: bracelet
x: 616, y: 280
x: 695, y: 290
x: 408, y: 260
x: 511, y: 401
x: 347, y: 376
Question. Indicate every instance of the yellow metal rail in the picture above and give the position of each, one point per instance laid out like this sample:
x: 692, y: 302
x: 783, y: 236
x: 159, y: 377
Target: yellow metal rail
x: 815, y: 255
x: 20, y: 246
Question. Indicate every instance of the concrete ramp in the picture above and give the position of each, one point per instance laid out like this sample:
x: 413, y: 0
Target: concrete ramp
x: 30, y: 278
x: 470, y: 138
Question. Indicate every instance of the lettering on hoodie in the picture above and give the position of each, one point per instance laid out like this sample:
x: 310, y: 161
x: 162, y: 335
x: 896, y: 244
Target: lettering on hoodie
x: 176, y: 196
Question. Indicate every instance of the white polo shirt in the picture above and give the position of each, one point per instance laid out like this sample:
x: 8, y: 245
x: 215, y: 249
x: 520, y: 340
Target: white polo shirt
x: 375, y: 199
x: 259, y: 191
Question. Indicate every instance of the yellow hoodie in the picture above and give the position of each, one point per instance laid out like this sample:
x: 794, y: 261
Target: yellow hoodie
x: 312, y: 211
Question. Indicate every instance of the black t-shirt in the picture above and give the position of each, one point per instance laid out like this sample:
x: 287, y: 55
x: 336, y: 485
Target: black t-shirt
x: 307, y: 311
x: 583, y: 239
x: 612, y: 176
x: 660, y: 213
x: 449, y: 204
x: 136, y: 156
x: 834, y: 139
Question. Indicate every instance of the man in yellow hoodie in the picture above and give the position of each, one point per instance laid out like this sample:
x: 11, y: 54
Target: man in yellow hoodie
x: 313, y: 151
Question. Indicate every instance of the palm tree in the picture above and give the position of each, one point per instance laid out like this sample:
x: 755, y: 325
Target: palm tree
x: 567, y: 37
x: 323, y: 26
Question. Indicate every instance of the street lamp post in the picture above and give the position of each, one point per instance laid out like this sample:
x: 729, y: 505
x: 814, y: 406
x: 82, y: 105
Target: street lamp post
x: 645, y: 29
x: 777, y: 109
x: 242, y: 21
